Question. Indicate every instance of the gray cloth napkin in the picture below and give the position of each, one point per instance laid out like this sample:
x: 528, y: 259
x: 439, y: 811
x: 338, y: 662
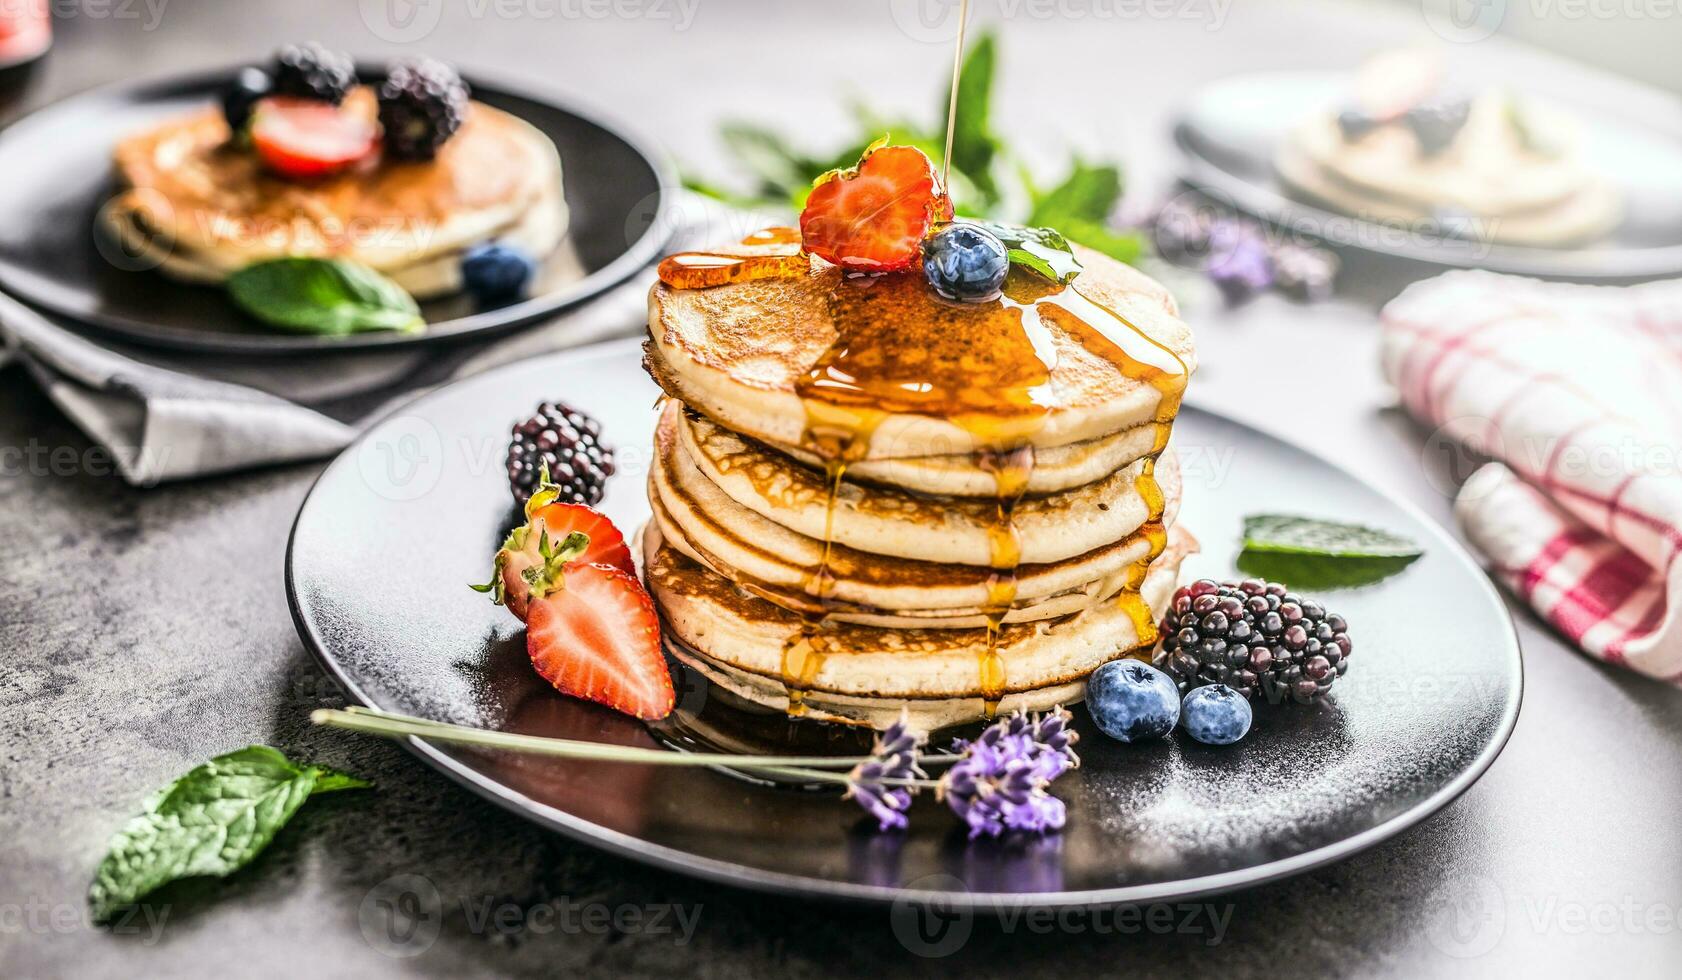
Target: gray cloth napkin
x: 169, y: 418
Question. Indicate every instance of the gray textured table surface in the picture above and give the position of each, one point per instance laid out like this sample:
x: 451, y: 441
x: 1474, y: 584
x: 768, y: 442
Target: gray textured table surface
x: 146, y: 630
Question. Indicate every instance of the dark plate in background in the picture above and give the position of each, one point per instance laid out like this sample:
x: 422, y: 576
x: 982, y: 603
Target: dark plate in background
x: 396, y: 527
x: 1230, y: 131
x: 57, y: 166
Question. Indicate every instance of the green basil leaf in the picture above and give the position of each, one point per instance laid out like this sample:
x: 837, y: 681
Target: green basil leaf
x: 210, y: 822
x: 1043, y: 251
x: 1310, y: 554
x: 335, y: 297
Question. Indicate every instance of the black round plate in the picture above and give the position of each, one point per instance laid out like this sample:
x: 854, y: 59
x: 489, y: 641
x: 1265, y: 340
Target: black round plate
x: 1230, y: 131
x: 57, y: 164
x: 388, y: 540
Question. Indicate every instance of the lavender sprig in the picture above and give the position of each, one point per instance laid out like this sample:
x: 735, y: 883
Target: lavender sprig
x: 996, y: 783
x: 880, y: 784
x: 1000, y: 783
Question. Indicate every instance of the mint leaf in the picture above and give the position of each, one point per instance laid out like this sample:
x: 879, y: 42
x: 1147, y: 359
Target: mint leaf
x: 211, y: 821
x: 974, y: 146
x: 1123, y: 246
x: 1306, y: 553
x: 1306, y: 535
x: 1043, y: 251
x: 335, y: 297
x: 1089, y: 193
x: 780, y: 169
x: 332, y: 780
x: 1318, y: 573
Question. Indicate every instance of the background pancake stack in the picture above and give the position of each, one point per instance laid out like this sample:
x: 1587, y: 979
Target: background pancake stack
x: 867, y: 498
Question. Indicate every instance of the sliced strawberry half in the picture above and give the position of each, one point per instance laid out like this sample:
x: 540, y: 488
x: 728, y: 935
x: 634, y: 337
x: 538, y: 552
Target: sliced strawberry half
x: 304, y: 140
x: 607, y: 545
x: 597, y: 637
x: 552, y: 526
x: 874, y: 217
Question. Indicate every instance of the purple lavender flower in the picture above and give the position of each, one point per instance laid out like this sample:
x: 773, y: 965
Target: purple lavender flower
x: 1238, y: 261
x: 1000, y: 783
x: 894, y: 756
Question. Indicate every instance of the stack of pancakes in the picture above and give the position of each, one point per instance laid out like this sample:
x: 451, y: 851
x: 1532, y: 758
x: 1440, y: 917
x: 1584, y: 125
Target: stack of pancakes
x: 867, y: 498
x: 203, y: 207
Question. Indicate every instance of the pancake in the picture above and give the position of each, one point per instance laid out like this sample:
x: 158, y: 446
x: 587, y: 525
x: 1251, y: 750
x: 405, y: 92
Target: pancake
x: 1510, y: 191
x: 704, y: 523
x: 895, y: 523
x: 888, y: 370
x: 922, y: 714
x: 739, y: 640
x: 960, y: 475
x: 207, y: 208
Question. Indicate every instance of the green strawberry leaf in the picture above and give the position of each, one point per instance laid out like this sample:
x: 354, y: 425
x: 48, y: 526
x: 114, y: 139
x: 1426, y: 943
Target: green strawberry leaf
x: 335, y: 297
x: 1310, y: 554
x: 1043, y: 251
x: 210, y: 822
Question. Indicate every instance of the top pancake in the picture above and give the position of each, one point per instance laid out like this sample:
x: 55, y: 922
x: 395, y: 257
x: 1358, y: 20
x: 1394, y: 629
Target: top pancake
x: 204, y: 195
x: 1037, y: 367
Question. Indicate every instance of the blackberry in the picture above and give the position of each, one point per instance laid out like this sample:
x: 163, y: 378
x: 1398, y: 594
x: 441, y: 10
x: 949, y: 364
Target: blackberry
x: 1436, y: 124
x: 1180, y: 231
x: 566, y: 441
x: 1354, y: 124
x: 250, y: 86
x: 1253, y: 636
x: 310, y: 71
x: 1304, y: 272
x: 422, y: 104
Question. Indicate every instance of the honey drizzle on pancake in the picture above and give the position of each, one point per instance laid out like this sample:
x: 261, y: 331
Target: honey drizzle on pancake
x: 900, y: 350
x: 1169, y: 380
x: 1011, y: 472
x: 699, y: 270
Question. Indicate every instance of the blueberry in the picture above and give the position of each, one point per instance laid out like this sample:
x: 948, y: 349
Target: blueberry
x: 497, y: 273
x: 1215, y: 715
x: 1132, y: 701
x: 250, y: 85
x: 964, y: 261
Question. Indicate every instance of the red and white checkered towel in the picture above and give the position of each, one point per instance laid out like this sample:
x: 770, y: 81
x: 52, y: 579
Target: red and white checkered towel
x: 1575, y: 394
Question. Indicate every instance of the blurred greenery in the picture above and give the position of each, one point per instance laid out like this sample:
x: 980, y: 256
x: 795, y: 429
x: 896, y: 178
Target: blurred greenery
x: 982, y: 166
